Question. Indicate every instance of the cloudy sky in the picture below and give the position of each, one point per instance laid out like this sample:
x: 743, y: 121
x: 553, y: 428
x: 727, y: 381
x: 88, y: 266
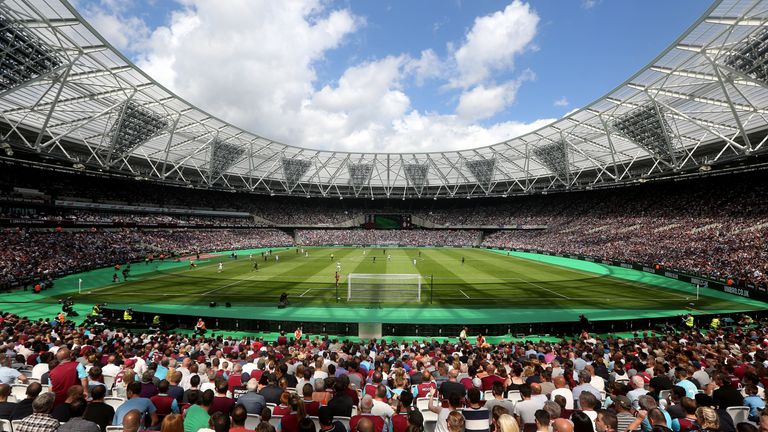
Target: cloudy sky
x: 390, y: 76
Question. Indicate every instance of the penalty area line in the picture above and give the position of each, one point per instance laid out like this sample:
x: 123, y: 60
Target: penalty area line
x: 546, y: 289
x: 465, y: 294
x: 227, y: 286
x: 308, y: 290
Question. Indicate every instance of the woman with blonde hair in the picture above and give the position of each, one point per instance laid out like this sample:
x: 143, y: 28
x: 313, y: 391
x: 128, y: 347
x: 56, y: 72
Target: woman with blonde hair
x: 707, y: 419
x: 507, y: 423
x: 172, y: 423
x: 455, y: 422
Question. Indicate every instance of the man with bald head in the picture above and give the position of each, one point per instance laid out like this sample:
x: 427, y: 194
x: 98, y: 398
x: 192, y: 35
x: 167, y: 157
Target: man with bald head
x: 131, y: 421
x: 536, y: 393
x: 366, y: 405
x: 65, y: 375
x: 364, y: 425
x: 562, y: 425
x: 561, y: 388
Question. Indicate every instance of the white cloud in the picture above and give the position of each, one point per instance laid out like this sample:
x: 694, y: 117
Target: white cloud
x: 240, y: 64
x: 589, y: 4
x: 493, y: 42
x: 427, y: 66
x: 109, y: 17
x: 562, y: 102
x: 482, y: 102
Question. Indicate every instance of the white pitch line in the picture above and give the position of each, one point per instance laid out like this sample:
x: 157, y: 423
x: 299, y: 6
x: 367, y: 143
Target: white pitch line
x: 465, y: 294
x: 227, y: 286
x: 546, y: 289
x: 308, y: 290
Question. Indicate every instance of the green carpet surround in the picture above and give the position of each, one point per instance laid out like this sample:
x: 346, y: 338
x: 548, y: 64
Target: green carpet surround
x: 471, y: 286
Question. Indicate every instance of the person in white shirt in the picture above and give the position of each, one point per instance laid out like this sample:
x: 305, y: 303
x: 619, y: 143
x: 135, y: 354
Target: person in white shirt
x: 561, y: 389
x: 381, y: 407
x: 319, y: 372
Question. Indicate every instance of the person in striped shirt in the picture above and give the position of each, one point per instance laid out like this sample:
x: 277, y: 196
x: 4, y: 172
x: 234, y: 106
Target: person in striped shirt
x: 476, y: 417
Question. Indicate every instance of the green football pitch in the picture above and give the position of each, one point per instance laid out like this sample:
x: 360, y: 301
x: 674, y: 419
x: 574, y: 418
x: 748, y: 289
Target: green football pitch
x: 485, y: 279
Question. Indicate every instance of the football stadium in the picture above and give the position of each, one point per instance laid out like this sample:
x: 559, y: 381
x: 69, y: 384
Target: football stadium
x: 164, y: 266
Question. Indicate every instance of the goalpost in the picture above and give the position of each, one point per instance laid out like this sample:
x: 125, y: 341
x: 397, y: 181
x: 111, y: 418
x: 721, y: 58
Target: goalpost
x: 384, y: 287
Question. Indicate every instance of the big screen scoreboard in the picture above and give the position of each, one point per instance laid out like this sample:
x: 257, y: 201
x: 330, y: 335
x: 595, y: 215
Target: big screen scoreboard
x: 388, y: 221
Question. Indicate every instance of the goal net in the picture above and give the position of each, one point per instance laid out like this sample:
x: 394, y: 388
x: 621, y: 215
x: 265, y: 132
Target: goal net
x: 383, y: 287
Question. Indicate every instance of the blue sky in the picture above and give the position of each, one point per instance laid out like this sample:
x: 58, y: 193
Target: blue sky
x: 389, y: 75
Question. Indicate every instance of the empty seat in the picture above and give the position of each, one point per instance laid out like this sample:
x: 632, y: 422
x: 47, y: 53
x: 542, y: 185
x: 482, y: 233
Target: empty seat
x: 109, y: 381
x: 422, y: 404
x: 738, y: 413
x: 114, y: 402
x: 252, y: 421
x: 343, y: 420
x: 275, y: 421
x: 19, y: 391
x: 514, y: 395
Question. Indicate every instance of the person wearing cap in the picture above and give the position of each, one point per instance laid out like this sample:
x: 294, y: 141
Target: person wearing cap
x: 623, y: 408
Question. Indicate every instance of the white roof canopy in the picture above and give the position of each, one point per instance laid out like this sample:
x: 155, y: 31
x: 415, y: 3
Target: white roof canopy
x: 702, y: 100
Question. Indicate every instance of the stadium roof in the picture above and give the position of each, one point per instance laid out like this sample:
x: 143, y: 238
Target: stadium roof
x: 66, y: 92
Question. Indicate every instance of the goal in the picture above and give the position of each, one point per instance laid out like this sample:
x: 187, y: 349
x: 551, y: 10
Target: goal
x: 384, y: 287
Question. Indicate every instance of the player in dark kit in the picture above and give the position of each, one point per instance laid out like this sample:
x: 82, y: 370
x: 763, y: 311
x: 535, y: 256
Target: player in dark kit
x: 255, y: 266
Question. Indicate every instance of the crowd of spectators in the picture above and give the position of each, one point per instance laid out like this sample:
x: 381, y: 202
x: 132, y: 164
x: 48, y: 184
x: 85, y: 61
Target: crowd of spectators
x: 677, y: 381
x: 715, y: 226
x: 140, y: 219
x: 34, y: 255
x: 416, y: 237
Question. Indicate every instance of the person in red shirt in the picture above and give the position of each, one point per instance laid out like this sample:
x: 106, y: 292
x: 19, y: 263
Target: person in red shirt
x: 164, y: 403
x: 65, y: 375
x: 365, y: 413
x: 312, y: 407
x: 400, y: 419
x: 283, y: 408
x: 490, y: 378
x: 290, y: 422
x: 221, y: 403
x: 235, y: 379
x: 426, y: 385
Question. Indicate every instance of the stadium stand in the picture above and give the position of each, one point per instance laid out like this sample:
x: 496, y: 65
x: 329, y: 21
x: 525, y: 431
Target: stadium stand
x: 695, y: 226
x: 692, y: 375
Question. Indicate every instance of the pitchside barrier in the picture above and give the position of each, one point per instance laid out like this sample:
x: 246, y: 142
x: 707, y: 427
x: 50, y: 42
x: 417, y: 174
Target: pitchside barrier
x: 742, y: 290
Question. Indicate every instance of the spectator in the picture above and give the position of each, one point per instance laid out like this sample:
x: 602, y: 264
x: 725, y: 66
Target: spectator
x: 98, y: 411
x: 135, y: 402
x: 6, y: 408
x: 76, y: 422
x: 40, y: 420
x: 175, y: 423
